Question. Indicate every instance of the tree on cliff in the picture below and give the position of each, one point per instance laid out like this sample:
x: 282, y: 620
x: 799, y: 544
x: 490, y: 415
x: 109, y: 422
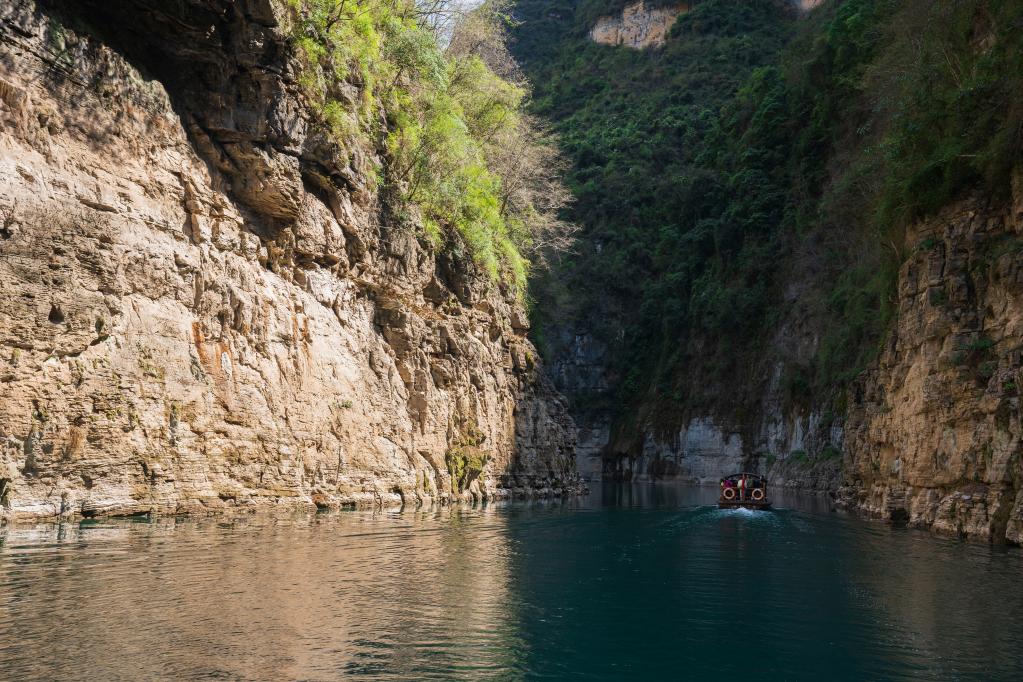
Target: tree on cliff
x: 459, y: 149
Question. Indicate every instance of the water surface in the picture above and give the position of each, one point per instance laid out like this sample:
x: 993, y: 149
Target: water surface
x: 632, y: 582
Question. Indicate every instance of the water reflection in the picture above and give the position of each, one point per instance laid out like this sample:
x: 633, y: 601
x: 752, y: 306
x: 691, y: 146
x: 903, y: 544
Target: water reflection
x: 675, y: 586
x: 634, y: 582
x: 951, y: 602
x: 301, y: 597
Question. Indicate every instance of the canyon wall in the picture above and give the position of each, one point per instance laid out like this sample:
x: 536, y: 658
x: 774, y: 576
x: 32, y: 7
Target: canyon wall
x: 796, y: 447
x: 745, y: 298
x: 206, y: 302
x: 934, y: 429
x: 720, y: 407
x: 933, y: 432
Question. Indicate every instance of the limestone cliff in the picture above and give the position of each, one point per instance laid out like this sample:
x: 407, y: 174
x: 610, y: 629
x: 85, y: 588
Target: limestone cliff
x: 207, y: 304
x: 934, y: 430
x: 744, y: 297
x: 796, y: 446
x: 638, y: 26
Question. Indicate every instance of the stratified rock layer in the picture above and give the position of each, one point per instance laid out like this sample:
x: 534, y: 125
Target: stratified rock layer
x: 933, y: 435
x: 205, y: 306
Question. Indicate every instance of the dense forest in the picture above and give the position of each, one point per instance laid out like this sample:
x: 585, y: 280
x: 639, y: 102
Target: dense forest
x: 760, y: 166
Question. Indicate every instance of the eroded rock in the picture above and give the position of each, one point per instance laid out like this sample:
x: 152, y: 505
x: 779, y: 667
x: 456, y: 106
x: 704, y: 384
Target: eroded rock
x: 204, y: 310
x: 638, y: 25
x: 934, y: 430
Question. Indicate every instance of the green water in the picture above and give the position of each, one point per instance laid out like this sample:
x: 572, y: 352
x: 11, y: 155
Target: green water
x: 633, y: 582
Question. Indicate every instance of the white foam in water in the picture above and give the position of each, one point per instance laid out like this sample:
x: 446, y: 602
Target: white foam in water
x: 758, y: 516
x: 742, y: 511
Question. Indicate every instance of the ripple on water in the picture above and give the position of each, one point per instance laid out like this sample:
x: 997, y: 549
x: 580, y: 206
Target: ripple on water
x: 633, y: 583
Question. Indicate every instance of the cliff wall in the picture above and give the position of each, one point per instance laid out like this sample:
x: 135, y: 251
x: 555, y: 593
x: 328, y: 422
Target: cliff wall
x: 796, y: 446
x: 820, y: 285
x: 638, y: 26
x: 934, y: 429
x: 932, y: 434
x: 653, y: 396
x: 207, y: 305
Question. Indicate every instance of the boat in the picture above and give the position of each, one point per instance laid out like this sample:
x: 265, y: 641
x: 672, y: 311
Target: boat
x: 745, y: 490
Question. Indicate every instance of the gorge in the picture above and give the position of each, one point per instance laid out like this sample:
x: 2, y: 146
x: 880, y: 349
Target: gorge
x: 798, y: 253
x: 511, y: 339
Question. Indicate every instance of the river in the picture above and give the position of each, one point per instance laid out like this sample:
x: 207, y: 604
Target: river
x: 631, y: 582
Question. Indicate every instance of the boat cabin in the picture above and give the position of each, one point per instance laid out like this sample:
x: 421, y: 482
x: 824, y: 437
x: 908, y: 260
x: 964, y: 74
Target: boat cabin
x: 744, y: 490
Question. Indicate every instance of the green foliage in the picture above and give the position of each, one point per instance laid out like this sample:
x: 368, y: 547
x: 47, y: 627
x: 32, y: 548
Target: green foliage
x: 859, y: 309
x: 433, y: 114
x: 830, y: 452
x: 986, y: 370
x: 754, y: 150
x: 438, y: 144
x: 981, y: 345
x: 674, y: 227
x: 956, y: 117
x: 465, y: 463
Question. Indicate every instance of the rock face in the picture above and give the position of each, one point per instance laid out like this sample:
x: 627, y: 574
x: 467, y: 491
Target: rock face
x: 796, y: 447
x: 933, y: 434
x: 207, y: 305
x: 793, y: 450
x: 807, y: 5
x: 934, y: 429
x: 638, y: 26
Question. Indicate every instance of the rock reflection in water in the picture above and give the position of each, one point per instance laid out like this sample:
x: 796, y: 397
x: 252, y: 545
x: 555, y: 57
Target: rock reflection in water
x: 635, y: 582
x: 313, y: 597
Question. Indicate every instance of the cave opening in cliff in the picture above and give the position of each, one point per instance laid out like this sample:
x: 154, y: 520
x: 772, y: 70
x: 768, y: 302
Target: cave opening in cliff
x: 56, y: 315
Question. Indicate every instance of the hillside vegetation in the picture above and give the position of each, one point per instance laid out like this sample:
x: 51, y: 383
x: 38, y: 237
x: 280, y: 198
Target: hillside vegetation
x: 760, y: 162
x: 434, y: 90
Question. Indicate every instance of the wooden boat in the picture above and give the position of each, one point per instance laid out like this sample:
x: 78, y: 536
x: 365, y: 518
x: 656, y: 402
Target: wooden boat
x: 744, y: 490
